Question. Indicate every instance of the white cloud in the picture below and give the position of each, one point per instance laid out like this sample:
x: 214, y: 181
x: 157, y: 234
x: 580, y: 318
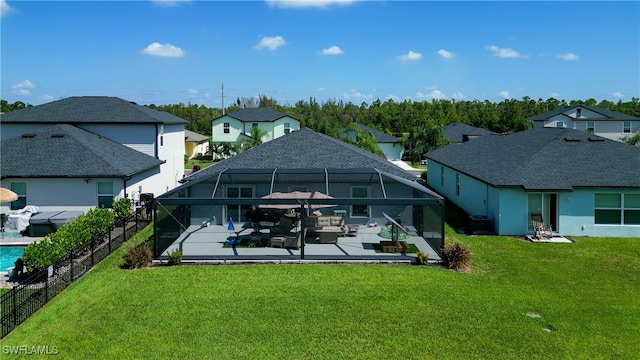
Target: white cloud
x: 169, y: 3
x: 322, y: 4
x: 458, y: 95
x: 5, y: 9
x: 334, y: 50
x: 568, y: 56
x: 410, y: 56
x: 270, y: 42
x: 618, y: 95
x: 393, y: 97
x: 320, y: 88
x: 435, y: 94
x: 193, y: 92
x: 445, y: 54
x: 504, y: 94
x: 505, y: 52
x: 165, y: 50
x: 353, y: 94
x: 22, y: 88
x: 47, y: 97
x: 555, y: 95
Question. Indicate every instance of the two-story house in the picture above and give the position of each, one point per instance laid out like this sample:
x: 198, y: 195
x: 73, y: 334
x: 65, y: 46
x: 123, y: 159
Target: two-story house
x: 234, y: 128
x: 82, y: 152
x: 602, y: 122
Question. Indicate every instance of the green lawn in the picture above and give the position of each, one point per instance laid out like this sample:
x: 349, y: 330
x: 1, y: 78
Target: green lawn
x: 587, y: 295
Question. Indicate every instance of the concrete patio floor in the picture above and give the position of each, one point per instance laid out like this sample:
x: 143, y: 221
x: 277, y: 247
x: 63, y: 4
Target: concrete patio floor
x: 206, y: 245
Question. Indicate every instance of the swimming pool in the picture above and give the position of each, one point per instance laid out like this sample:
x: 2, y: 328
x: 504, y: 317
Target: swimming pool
x: 9, y: 255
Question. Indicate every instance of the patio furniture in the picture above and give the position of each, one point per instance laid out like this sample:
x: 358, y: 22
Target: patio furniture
x: 313, y: 223
x: 329, y: 234
x: 540, y: 229
x: 292, y: 242
x: 278, y: 241
x: 352, y: 229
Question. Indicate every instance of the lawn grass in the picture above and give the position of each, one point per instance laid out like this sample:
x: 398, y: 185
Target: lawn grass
x: 585, y: 293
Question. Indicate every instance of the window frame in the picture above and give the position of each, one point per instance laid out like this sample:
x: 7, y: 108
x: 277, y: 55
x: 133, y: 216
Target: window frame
x: 591, y: 129
x: 226, y: 128
x: 626, y: 129
x: 625, y: 213
x: 287, y: 128
x: 21, y: 202
x: 101, y: 196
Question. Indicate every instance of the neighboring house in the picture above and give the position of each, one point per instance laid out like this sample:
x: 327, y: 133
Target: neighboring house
x: 390, y: 145
x: 157, y: 134
x: 236, y: 127
x: 362, y: 184
x: 582, y: 184
x: 63, y: 167
x: 195, y: 144
x: 459, y: 132
x: 606, y: 123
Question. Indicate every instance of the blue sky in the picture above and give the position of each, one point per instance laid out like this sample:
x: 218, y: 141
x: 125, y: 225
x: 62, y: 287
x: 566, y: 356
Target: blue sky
x: 167, y: 52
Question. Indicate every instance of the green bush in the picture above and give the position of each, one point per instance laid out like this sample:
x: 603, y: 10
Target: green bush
x: 121, y: 209
x: 422, y: 258
x: 39, y: 255
x: 457, y: 257
x: 138, y: 257
x: 175, y: 257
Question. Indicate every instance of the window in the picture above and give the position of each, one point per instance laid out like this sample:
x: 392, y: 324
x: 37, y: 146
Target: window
x: 287, y: 128
x: 617, y: 209
x: 236, y: 212
x: 359, y: 192
x: 21, y: 190
x: 626, y: 127
x: 631, y: 209
x: 458, y: 184
x: 560, y: 124
x: 161, y: 135
x: 105, y: 194
x: 591, y: 127
x: 226, y: 128
x: 578, y: 112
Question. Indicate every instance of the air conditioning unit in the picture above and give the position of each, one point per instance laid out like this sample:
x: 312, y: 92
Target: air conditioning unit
x: 479, y: 224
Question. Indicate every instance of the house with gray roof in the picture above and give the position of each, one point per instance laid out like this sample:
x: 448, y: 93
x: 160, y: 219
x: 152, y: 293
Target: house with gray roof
x: 195, y: 144
x: 602, y: 122
x: 362, y: 186
x: 582, y: 184
x: 234, y: 128
x: 63, y: 167
x: 157, y: 134
x: 391, y: 146
x: 460, y: 132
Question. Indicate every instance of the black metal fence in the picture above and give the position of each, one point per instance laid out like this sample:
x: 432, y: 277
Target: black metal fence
x: 17, y: 304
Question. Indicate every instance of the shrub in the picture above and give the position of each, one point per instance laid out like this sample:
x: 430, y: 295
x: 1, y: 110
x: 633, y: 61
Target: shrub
x: 422, y: 258
x: 175, y: 257
x: 138, y: 257
x: 121, y: 209
x: 457, y: 257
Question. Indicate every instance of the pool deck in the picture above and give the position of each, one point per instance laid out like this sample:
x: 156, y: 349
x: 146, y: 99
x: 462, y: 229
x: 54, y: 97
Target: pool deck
x: 206, y: 245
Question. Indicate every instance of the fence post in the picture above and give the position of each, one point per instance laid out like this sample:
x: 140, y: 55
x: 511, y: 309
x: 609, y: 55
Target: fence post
x: 124, y: 230
x: 71, y: 265
x: 110, y: 227
x: 15, y: 306
x: 93, y: 249
x: 46, y: 286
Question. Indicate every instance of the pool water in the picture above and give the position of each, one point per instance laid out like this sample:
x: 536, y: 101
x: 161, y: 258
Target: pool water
x: 9, y: 255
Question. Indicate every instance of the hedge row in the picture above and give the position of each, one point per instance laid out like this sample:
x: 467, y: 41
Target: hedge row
x: 40, y: 254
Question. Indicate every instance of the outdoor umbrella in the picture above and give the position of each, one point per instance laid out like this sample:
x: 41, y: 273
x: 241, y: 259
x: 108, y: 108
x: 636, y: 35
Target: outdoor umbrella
x: 7, y: 195
x: 295, y: 195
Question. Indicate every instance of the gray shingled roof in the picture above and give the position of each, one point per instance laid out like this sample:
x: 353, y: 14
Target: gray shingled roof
x: 606, y: 114
x: 379, y: 136
x: 91, y: 109
x: 257, y: 115
x: 304, y: 149
x: 455, y: 132
x: 190, y: 136
x: 68, y: 151
x: 544, y: 159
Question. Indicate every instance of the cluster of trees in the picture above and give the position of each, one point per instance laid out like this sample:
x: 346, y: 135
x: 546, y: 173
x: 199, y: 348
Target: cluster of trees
x: 418, y: 123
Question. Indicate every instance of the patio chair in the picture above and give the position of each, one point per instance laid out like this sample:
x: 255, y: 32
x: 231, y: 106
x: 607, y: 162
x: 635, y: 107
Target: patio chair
x: 540, y: 229
x: 292, y: 241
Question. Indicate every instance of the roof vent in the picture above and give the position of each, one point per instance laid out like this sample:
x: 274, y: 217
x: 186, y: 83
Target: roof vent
x: 29, y: 136
x: 57, y: 136
x: 571, y: 139
x: 595, y: 139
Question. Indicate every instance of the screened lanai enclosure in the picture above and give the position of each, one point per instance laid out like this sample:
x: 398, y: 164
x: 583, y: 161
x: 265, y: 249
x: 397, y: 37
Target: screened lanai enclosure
x: 243, y: 215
